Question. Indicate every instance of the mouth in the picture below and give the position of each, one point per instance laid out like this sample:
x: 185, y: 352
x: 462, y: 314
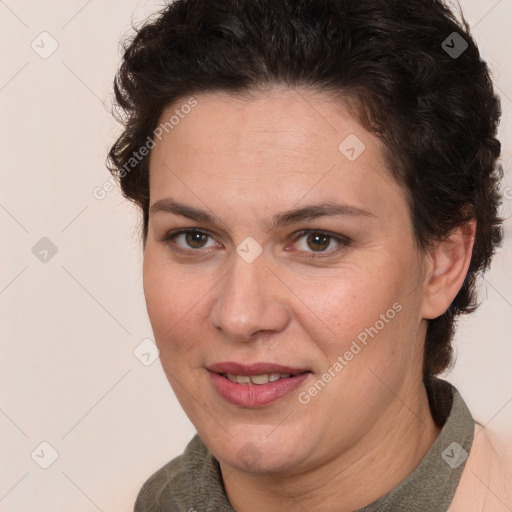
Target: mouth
x: 255, y: 385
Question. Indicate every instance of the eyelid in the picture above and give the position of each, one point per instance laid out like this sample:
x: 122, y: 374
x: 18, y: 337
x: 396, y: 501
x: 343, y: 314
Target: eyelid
x: 342, y: 240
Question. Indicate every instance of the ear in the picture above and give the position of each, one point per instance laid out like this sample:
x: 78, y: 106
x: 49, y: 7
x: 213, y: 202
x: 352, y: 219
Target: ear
x: 447, y: 266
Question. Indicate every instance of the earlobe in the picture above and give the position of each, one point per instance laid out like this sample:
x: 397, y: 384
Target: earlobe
x: 448, y: 265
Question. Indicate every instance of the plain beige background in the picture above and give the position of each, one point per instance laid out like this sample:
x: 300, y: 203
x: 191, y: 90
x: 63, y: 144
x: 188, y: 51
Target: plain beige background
x: 70, y: 325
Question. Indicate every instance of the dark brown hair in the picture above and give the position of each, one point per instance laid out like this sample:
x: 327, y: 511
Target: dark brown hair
x: 412, y: 73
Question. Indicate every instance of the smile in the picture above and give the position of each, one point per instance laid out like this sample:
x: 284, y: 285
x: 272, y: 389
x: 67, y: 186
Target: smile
x: 256, y: 390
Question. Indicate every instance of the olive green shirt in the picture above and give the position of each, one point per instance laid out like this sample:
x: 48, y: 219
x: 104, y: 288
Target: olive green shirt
x: 192, y: 482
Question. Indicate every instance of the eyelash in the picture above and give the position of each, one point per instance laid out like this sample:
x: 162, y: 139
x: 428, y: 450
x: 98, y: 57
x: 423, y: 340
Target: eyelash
x: 342, y: 240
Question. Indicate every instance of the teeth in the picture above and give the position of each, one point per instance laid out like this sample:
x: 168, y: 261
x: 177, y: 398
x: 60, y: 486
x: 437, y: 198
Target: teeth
x: 257, y: 379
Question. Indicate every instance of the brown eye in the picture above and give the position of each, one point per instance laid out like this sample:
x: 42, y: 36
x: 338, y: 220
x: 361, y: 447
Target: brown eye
x: 196, y: 239
x: 318, y: 241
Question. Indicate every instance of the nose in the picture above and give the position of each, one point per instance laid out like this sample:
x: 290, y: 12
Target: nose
x: 250, y: 301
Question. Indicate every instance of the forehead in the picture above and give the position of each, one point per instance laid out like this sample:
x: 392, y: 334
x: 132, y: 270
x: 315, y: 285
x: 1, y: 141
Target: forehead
x: 282, y: 146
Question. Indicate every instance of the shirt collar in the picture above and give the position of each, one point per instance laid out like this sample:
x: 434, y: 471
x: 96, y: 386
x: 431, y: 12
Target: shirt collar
x: 432, y: 485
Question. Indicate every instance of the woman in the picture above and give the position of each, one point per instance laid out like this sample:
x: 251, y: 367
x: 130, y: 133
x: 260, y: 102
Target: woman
x: 319, y: 189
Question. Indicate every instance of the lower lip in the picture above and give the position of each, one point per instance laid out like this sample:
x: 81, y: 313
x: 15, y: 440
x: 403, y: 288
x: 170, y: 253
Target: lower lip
x: 255, y: 395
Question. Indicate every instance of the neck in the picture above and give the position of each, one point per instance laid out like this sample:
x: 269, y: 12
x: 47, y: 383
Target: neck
x: 382, y: 459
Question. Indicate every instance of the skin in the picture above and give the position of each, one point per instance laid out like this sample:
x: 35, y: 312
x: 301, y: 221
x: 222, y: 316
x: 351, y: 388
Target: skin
x: 244, y: 162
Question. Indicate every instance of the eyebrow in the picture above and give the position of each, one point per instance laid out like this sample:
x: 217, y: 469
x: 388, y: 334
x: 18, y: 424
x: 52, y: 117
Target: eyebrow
x: 309, y: 212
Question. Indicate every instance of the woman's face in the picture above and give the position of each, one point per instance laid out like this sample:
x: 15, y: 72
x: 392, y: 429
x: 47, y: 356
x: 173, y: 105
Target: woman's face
x: 342, y: 300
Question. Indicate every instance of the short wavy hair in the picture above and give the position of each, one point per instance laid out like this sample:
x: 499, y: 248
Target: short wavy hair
x: 394, y: 63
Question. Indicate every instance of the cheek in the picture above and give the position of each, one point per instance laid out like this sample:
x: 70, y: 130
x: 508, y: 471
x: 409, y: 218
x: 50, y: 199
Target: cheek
x: 372, y: 327
x: 349, y: 306
x: 173, y: 302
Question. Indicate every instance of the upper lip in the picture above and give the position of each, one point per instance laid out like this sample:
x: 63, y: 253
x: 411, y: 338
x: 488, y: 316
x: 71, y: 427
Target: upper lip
x: 261, y: 368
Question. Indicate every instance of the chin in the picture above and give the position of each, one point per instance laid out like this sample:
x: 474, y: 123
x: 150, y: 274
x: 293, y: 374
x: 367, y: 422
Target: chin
x: 256, y: 452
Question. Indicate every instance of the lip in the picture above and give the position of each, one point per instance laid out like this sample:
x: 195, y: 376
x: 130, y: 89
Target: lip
x: 253, y: 369
x: 255, y: 395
